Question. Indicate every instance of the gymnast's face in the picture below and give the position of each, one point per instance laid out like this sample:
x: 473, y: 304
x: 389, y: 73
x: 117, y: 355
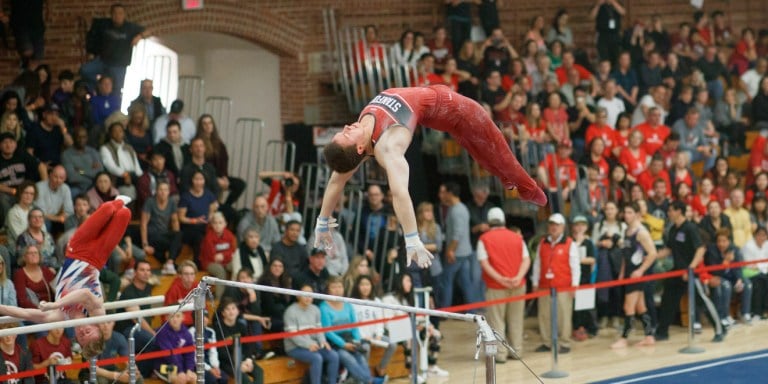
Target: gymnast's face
x: 87, y: 334
x: 352, y: 134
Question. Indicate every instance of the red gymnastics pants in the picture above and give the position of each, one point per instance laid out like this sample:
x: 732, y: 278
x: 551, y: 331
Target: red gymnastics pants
x: 95, y: 240
x: 468, y: 122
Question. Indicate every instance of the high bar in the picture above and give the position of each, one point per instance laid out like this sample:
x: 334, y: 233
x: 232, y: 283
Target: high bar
x: 408, y: 309
x: 96, y: 320
x: 107, y: 306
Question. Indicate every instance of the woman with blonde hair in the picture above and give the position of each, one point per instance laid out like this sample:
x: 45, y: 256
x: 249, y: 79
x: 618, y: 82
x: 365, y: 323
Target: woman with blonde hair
x: 358, y: 266
x: 7, y: 290
x: 431, y: 235
x: 10, y: 122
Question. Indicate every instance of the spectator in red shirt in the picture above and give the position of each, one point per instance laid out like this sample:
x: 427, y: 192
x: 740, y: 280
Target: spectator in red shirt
x: 701, y: 24
x: 653, y: 130
x: 680, y: 172
x: 535, y: 124
x: 745, y: 53
x: 556, y: 117
x: 621, y: 134
x: 569, y: 62
x: 701, y: 200
x: 13, y: 357
x: 654, y: 172
x: 441, y: 48
x: 669, y: 149
x: 760, y: 186
x: 54, y: 348
x: 375, y: 52
x: 181, y: 286
x: 558, y: 167
x: 426, y: 72
x: 633, y: 157
x: 217, y: 248
x: 451, y: 76
x: 758, y: 159
x: 600, y: 128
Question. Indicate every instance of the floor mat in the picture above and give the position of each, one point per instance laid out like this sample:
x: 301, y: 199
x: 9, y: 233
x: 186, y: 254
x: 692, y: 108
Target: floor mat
x: 747, y: 368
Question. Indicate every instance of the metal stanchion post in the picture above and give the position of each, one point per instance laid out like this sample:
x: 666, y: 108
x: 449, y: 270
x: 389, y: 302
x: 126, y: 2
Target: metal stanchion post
x: 691, y: 348
x: 414, y: 344
x: 52, y: 379
x: 132, y: 353
x: 237, y: 358
x: 200, y: 295
x: 554, y: 373
x: 92, y: 367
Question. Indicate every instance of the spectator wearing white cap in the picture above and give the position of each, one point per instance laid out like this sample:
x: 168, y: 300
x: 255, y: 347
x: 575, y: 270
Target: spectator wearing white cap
x: 504, y: 258
x: 557, y: 265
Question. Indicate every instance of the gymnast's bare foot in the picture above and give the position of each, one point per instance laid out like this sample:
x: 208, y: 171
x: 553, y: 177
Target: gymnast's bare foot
x: 619, y: 344
x: 647, y: 341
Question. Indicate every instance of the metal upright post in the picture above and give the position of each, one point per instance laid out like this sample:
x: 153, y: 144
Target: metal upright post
x: 237, y: 357
x: 691, y: 348
x: 199, y: 300
x: 414, y: 343
x: 132, y: 353
x: 52, y: 379
x: 554, y: 373
x: 487, y: 336
x: 92, y: 367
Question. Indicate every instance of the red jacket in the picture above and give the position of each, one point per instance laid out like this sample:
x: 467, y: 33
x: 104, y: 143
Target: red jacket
x: 555, y: 258
x: 226, y: 244
x: 175, y: 294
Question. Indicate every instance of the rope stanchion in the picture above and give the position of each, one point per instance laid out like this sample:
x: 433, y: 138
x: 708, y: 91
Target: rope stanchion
x: 554, y: 372
x: 691, y: 348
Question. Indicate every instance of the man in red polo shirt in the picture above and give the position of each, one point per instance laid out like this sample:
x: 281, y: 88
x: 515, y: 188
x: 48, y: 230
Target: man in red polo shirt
x: 655, y: 171
x: 653, y: 130
x: 569, y: 62
x: 504, y: 258
x: 557, y: 265
x: 565, y: 175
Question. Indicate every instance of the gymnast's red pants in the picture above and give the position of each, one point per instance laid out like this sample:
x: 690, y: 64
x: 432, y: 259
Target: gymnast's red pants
x: 95, y: 240
x: 467, y: 122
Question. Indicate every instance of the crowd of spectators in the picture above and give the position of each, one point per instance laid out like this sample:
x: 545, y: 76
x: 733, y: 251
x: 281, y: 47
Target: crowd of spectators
x: 632, y: 147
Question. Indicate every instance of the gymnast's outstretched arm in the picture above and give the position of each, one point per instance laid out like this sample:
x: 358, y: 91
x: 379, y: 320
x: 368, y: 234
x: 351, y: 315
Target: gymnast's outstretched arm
x: 333, y: 192
x: 93, y: 304
x: 32, y: 314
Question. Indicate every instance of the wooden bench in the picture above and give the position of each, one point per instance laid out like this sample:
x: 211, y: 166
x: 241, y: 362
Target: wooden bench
x: 286, y: 370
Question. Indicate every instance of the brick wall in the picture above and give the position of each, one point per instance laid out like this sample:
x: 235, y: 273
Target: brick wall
x: 293, y: 29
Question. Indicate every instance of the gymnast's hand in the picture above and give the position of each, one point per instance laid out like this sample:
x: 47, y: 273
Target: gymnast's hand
x: 323, y: 233
x: 416, y: 251
x: 46, y: 306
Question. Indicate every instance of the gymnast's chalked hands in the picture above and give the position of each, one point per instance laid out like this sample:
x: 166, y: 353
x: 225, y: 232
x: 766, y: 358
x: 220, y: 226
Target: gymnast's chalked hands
x: 323, y: 234
x: 46, y: 306
x: 416, y: 251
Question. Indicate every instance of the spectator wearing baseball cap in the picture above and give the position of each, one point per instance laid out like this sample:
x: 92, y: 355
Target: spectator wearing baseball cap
x: 47, y: 138
x: 315, y: 274
x: 558, y: 173
x: 557, y: 266
x: 584, y: 321
x: 504, y: 258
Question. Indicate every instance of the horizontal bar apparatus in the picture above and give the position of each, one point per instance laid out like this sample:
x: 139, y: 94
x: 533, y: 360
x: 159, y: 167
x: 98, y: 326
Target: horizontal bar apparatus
x: 403, y: 308
x: 96, y: 320
x: 107, y: 306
